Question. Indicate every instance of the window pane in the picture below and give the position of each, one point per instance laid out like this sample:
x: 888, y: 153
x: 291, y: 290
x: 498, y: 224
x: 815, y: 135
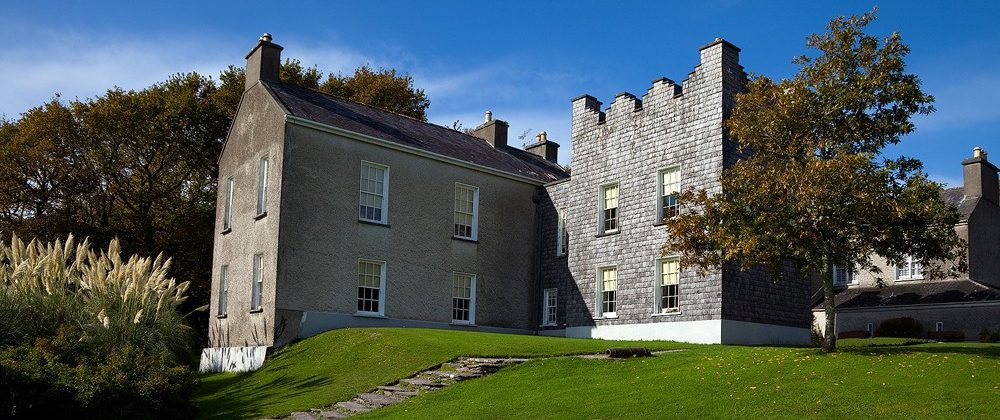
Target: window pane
x: 262, y: 186
x: 369, y: 286
x: 464, y: 211
x: 257, y: 287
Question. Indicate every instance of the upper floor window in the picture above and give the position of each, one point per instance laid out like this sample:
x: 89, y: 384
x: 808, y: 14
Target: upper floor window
x: 374, y: 192
x: 257, y: 289
x: 262, y: 186
x: 562, y: 240
x: 227, y: 210
x: 609, y: 208
x: 466, y: 211
x: 549, y: 306
x: 223, y: 290
x: 843, y: 276
x: 371, y: 287
x: 669, y: 183
x: 463, y: 306
x: 910, y: 269
x: 667, y: 285
x: 607, y: 288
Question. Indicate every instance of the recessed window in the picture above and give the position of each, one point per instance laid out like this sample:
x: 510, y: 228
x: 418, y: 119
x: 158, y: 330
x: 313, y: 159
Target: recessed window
x: 843, y: 276
x: 609, y: 208
x: 257, y: 289
x: 466, y: 211
x: 607, y: 288
x: 549, y: 305
x: 869, y: 328
x: 667, y: 285
x: 669, y: 183
x: 910, y: 269
x: 939, y: 327
x: 463, y: 299
x: 262, y: 186
x: 371, y: 286
x: 227, y: 212
x: 562, y: 240
x: 374, y: 192
x: 223, y: 290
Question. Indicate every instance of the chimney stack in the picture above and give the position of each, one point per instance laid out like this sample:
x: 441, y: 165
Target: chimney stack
x: 549, y: 150
x: 263, y: 62
x: 981, y: 177
x: 493, y: 131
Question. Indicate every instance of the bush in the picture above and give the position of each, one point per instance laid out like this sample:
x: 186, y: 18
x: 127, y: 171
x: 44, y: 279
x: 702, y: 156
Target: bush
x: 39, y: 383
x: 905, y: 327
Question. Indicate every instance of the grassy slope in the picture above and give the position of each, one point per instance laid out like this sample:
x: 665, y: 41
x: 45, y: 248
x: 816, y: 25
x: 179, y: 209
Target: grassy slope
x: 924, y: 381
x: 338, y: 364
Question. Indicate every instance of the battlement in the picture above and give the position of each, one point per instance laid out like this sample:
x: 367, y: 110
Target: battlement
x: 718, y: 66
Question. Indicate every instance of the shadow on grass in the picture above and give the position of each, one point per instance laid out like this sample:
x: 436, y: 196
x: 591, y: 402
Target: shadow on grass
x: 987, y: 351
x: 240, y: 396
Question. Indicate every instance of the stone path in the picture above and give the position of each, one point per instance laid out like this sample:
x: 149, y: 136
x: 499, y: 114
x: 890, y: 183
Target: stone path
x: 426, y: 381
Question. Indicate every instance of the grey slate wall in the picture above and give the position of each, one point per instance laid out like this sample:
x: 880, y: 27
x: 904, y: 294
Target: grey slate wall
x: 629, y: 144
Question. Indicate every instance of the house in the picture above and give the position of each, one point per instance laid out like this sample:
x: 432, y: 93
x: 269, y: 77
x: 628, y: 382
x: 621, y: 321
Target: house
x: 958, y: 307
x: 334, y: 214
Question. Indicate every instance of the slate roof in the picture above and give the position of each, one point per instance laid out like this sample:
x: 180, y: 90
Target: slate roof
x: 956, y: 196
x: 916, y: 293
x: 363, y: 119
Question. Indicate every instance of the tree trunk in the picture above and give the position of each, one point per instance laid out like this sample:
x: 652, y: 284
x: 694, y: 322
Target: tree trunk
x: 830, y: 334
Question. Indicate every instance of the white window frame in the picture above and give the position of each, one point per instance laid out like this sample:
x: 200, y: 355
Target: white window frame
x: 262, y: 169
x: 939, y: 326
x: 550, y: 306
x: 562, y: 239
x: 601, y: 202
x: 227, y: 211
x: 472, y: 298
x: 475, y: 212
x: 661, y: 192
x: 911, y: 264
x: 599, y: 308
x: 223, y: 303
x: 257, y: 288
x: 870, y: 329
x: 384, y: 194
x: 381, y: 288
x: 850, y: 276
x: 658, y: 308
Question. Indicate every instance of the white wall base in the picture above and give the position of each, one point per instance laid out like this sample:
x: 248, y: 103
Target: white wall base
x: 316, y: 322
x: 712, y: 331
x: 232, y: 359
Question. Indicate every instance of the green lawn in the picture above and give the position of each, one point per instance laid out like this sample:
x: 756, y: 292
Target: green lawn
x: 338, y: 364
x: 921, y: 381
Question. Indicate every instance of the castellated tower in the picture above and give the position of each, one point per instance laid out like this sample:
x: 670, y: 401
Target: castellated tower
x: 602, y: 238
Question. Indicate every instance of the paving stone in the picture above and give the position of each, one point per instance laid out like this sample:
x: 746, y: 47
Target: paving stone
x: 333, y: 414
x: 379, y: 400
x: 392, y: 388
x: 300, y: 415
x: 354, y: 406
x: 422, y: 382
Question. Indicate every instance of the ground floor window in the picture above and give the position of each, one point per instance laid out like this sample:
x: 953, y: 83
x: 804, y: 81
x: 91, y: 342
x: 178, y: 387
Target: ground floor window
x: 607, y: 288
x: 371, y: 287
x: 257, y: 289
x: 549, y: 302
x: 667, y: 285
x: 463, y: 300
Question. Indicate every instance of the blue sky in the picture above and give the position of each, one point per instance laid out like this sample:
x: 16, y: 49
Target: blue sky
x: 524, y: 61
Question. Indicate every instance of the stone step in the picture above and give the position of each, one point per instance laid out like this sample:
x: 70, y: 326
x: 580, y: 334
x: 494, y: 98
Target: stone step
x: 379, y: 400
x: 301, y: 415
x: 333, y: 415
x: 453, y: 374
x: 422, y: 382
x: 393, y: 388
x: 354, y: 406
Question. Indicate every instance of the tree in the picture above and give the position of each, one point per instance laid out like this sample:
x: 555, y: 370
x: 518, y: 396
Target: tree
x: 812, y: 188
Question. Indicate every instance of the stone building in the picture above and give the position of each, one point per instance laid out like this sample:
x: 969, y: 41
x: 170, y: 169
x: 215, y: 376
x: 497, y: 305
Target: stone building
x: 959, y: 307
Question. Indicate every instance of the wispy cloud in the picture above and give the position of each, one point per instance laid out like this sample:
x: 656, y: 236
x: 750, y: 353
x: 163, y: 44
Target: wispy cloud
x: 966, y: 102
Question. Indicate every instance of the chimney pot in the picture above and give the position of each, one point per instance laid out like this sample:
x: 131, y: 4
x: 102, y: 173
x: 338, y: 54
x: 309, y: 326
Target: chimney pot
x: 266, y: 37
x: 263, y: 62
x: 493, y: 131
x: 489, y: 116
x: 544, y: 136
x: 980, y: 177
x: 548, y: 150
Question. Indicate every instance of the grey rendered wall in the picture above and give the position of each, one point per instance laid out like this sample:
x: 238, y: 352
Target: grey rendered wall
x: 984, y: 243
x: 629, y: 144
x: 969, y: 318
x: 322, y: 239
x: 258, y: 130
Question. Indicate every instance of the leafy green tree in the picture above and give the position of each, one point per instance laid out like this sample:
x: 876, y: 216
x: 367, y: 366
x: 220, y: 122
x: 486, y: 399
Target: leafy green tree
x: 813, y: 188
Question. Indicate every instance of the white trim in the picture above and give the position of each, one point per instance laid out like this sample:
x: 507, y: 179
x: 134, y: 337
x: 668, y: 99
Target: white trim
x: 713, y: 331
x: 910, y: 262
x: 658, y: 310
x: 263, y: 167
x: 601, y: 194
x: 385, y: 191
x: 381, y: 289
x: 472, y: 299
x: 851, y: 275
x: 227, y: 212
x: 562, y: 234
x: 232, y: 359
x: 659, y: 188
x: 408, y: 149
x: 475, y: 211
x: 599, y: 295
x: 257, y: 285
x: 546, y: 294
x: 222, y: 308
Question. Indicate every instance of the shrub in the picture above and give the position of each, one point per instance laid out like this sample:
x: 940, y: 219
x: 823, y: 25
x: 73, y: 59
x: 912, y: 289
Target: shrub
x: 899, y: 327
